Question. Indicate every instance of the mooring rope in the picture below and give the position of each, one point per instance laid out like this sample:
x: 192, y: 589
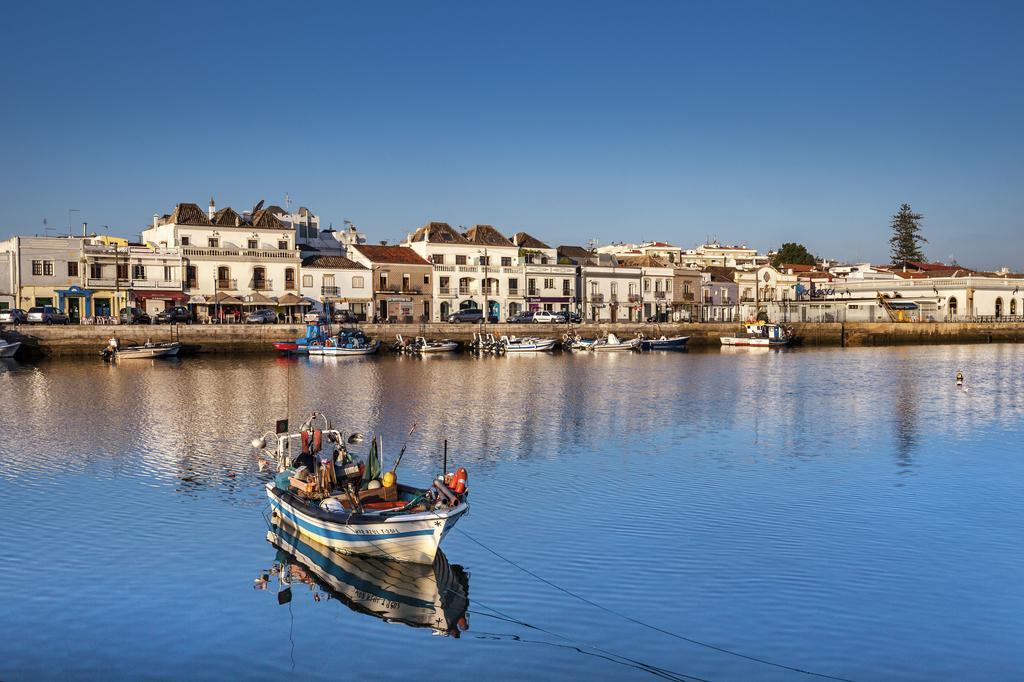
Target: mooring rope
x: 656, y: 628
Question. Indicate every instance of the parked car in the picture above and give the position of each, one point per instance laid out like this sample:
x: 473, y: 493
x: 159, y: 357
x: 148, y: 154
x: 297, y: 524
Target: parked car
x: 46, y: 314
x: 473, y: 315
x: 13, y: 316
x: 344, y: 317
x: 176, y: 315
x: 262, y: 316
x: 546, y: 316
x: 134, y: 316
x: 521, y: 318
x: 574, y: 318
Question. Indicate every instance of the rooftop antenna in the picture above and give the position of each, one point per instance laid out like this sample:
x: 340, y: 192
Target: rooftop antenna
x: 70, y: 211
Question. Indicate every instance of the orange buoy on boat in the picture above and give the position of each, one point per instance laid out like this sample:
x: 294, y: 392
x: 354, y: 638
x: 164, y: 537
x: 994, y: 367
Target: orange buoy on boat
x: 459, y: 481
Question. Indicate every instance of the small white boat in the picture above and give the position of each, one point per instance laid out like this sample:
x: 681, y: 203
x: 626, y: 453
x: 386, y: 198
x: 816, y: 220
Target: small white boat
x: 351, y: 506
x: 7, y: 349
x: 144, y: 352
x: 612, y: 343
x: 574, y: 341
x: 761, y: 334
x: 355, y: 349
x: 526, y: 344
x: 422, y: 345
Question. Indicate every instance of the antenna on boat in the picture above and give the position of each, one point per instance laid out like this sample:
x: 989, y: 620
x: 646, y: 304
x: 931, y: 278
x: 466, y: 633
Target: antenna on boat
x: 402, y: 451
x: 444, y: 462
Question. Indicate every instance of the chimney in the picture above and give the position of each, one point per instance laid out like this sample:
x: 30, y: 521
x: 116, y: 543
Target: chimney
x: 212, y: 210
x: 156, y: 219
x: 84, y: 225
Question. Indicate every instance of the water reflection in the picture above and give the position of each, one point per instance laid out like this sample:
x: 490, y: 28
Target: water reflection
x: 434, y: 597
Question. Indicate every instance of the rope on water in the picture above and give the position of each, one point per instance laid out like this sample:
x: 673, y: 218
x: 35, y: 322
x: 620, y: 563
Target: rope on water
x: 654, y: 627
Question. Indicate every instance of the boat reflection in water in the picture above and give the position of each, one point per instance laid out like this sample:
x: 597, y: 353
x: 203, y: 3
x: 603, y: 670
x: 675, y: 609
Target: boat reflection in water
x: 425, y: 596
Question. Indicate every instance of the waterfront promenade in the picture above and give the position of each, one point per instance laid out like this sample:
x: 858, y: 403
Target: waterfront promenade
x: 240, y: 338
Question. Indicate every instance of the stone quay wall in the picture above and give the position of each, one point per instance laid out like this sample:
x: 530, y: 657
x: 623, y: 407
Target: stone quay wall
x: 252, y: 338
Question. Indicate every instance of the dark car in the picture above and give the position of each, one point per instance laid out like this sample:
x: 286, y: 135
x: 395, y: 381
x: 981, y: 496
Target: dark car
x: 134, y: 316
x: 344, y: 317
x: 521, y: 318
x: 13, y: 316
x: 573, y: 318
x: 472, y: 315
x: 46, y: 314
x: 176, y: 315
x: 262, y: 316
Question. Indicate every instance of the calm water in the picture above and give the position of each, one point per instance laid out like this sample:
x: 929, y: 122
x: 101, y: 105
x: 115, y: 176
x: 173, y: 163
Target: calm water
x: 848, y: 512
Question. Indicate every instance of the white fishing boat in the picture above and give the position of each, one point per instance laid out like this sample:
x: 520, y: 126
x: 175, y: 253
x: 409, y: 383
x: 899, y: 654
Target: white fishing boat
x: 368, y: 348
x: 423, y: 345
x: 761, y: 334
x: 612, y: 343
x: 146, y: 351
x: 346, y: 342
x: 433, y: 596
x: 573, y: 341
x: 352, y: 507
x: 526, y: 344
x: 8, y: 349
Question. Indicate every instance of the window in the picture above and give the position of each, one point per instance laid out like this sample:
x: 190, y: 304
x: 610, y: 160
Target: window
x: 95, y: 271
x: 138, y: 272
x: 549, y: 283
x: 460, y: 260
x: 122, y: 271
x: 426, y: 279
x: 185, y: 240
x: 254, y: 244
x: 506, y: 261
x: 543, y: 260
x: 283, y: 245
x: 406, y: 281
x: 566, y: 284
x: 168, y: 273
x: 48, y: 268
x: 357, y: 282
x: 213, y: 242
x: 615, y: 288
x: 647, y: 285
x: 437, y: 259
x: 513, y: 286
x: 531, y: 287
x: 445, y: 285
x: 289, y: 278
x: 632, y: 288
x: 72, y: 268
x: 485, y: 260
x: 191, y: 274
x: 383, y: 281
x: 307, y: 280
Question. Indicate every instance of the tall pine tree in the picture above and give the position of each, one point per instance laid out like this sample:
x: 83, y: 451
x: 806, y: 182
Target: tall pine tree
x: 906, y: 237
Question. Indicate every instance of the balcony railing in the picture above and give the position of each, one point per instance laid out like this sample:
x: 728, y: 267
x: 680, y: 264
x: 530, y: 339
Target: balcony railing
x: 596, y: 298
x: 487, y: 291
x: 659, y: 294
x: 386, y: 289
x: 635, y: 298
x: 445, y: 291
x: 464, y: 291
x: 330, y: 291
x: 230, y: 284
x: 192, y: 284
x: 533, y: 292
x: 261, y: 285
x: 513, y: 291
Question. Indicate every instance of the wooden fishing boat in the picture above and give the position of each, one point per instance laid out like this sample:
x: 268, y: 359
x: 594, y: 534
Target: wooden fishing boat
x: 526, y: 344
x: 433, y: 596
x: 146, y: 351
x: 350, y: 506
x: 612, y: 343
x: 761, y: 334
x: 573, y: 341
x: 665, y: 343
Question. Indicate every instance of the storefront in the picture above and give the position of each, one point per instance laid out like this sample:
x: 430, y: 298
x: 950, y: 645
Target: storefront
x: 154, y: 302
x: 549, y: 303
x: 75, y: 301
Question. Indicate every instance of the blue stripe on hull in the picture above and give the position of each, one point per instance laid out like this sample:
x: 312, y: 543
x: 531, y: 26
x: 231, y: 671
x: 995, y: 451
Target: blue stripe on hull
x: 341, y: 535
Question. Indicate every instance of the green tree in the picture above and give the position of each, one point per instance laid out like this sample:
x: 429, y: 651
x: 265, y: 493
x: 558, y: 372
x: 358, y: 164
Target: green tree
x: 791, y: 252
x: 906, y: 237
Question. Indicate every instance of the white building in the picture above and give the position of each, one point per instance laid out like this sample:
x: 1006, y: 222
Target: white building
x: 550, y: 285
x: 723, y: 255
x: 149, y: 277
x: 224, y: 252
x: 8, y: 291
x: 655, y: 290
x: 719, y: 295
x: 660, y: 250
x: 766, y: 289
x: 310, y: 239
x: 338, y: 283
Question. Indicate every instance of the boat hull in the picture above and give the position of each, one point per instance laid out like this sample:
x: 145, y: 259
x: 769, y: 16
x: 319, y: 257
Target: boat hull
x: 7, y: 350
x: 409, y: 537
x: 665, y: 344
x: 757, y: 343
x: 531, y: 347
x: 607, y: 347
x: 341, y: 350
x: 146, y: 353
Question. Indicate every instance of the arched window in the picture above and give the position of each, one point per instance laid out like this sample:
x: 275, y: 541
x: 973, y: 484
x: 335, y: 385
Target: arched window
x: 224, y: 277
x: 446, y: 309
x: 259, y: 278
x: 952, y: 306
x: 464, y: 286
x: 1013, y: 306
x: 999, y: 307
x: 289, y: 278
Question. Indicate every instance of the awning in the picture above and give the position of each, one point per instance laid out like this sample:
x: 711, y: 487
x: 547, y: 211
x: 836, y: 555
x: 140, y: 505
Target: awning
x: 292, y: 299
x: 223, y: 299
x: 259, y: 299
x: 167, y: 295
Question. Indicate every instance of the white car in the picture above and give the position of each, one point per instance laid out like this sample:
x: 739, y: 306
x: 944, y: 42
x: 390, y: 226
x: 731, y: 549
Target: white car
x: 545, y: 316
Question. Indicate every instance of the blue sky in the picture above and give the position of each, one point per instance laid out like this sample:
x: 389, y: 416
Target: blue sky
x: 758, y: 123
